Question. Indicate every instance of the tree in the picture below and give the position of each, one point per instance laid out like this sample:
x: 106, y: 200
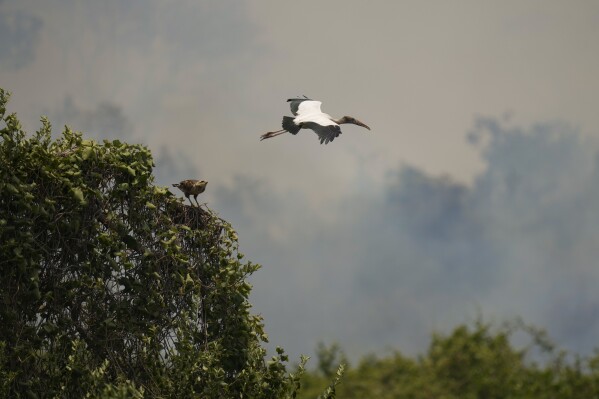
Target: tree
x: 112, y: 287
x: 471, y: 362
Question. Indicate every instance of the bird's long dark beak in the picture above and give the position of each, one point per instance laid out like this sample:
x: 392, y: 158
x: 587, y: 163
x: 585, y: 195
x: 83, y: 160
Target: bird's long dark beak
x: 357, y: 122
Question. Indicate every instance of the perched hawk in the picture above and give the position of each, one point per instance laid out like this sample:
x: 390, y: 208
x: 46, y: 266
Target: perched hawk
x: 192, y: 187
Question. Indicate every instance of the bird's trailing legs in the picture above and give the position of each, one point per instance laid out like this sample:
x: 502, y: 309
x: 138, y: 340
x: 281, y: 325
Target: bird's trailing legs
x: 272, y: 134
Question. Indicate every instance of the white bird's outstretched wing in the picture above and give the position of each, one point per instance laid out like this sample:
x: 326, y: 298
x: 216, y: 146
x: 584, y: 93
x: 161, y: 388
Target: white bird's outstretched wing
x: 309, y: 107
x: 301, y: 106
x: 294, y: 104
x: 326, y: 132
x: 309, y: 111
x: 309, y: 115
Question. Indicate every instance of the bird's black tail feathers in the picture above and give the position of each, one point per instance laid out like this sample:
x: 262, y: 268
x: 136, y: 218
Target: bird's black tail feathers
x: 289, y: 125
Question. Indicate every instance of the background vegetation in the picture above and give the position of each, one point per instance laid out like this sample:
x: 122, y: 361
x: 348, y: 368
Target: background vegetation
x: 471, y: 362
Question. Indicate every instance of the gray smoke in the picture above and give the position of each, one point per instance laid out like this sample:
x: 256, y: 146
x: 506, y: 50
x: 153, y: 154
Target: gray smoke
x: 20, y: 33
x: 105, y: 121
x: 108, y: 121
x: 428, y: 253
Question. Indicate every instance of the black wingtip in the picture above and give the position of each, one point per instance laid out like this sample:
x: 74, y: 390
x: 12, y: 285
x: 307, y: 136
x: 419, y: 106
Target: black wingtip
x: 299, y: 98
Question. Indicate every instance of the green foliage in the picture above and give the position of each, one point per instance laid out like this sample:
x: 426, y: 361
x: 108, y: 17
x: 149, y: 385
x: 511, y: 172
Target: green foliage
x: 330, y: 392
x: 111, y: 287
x: 474, y: 362
x: 471, y: 362
x: 329, y: 358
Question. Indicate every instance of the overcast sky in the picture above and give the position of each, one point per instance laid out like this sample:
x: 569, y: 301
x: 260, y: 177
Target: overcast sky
x: 475, y: 192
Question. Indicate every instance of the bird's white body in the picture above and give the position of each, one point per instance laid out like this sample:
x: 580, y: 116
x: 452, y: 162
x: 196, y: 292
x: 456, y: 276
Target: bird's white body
x: 309, y: 111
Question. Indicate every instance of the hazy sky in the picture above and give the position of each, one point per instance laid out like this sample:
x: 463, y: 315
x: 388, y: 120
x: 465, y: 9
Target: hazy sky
x: 476, y: 192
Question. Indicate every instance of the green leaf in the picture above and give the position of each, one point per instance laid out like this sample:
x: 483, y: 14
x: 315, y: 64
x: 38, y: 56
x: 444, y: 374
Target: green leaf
x: 87, y: 153
x: 131, y: 242
x: 11, y: 188
x: 78, y: 194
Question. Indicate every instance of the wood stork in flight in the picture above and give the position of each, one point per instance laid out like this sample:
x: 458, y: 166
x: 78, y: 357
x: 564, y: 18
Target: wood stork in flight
x: 192, y: 187
x: 309, y: 116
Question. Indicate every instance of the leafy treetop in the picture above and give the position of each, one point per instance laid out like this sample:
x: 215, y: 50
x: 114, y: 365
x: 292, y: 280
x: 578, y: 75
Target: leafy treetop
x: 112, y: 287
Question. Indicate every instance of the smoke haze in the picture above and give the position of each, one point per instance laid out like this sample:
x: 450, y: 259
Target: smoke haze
x: 435, y: 216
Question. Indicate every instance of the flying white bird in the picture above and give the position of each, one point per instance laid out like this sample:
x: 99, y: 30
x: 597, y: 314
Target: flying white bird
x: 192, y: 187
x: 309, y: 116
